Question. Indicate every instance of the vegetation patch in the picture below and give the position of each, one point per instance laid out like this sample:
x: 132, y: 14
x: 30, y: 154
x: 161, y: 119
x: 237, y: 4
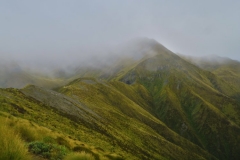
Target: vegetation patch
x: 47, y: 150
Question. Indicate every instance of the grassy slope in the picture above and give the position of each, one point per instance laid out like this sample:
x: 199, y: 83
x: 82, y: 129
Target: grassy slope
x: 123, y: 128
x: 19, y: 105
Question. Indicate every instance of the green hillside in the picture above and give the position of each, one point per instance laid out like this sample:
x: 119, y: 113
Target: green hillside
x: 108, y: 122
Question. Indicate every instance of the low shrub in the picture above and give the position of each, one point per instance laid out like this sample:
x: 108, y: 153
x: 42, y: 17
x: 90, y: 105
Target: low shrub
x: 47, y: 150
x: 40, y: 148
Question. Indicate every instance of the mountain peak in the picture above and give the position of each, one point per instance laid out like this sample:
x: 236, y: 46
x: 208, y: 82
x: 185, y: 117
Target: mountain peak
x: 139, y: 48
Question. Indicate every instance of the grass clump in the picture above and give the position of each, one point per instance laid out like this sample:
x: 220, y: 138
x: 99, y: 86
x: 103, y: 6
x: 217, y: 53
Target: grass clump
x: 27, y: 133
x: 79, y: 156
x: 12, y: 147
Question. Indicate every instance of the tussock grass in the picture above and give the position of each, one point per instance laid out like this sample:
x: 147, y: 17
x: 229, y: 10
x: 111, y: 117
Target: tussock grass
x: 12, y: 147
x: 28, y: 134
x: 79, y: 156
x: 24, y: 128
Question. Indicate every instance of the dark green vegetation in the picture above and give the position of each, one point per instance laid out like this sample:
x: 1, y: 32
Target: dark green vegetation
x: 159, y: 106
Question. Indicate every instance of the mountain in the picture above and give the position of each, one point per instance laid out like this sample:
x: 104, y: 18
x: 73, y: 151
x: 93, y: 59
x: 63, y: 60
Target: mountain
x: 148, y: 103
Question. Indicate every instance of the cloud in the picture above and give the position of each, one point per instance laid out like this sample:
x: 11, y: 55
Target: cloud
x: 65, y: 32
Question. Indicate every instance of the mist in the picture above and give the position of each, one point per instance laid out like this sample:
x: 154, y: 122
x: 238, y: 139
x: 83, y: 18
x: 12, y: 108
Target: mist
x: 45, y: 36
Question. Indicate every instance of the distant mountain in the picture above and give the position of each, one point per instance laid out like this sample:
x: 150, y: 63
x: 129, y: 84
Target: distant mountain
x: 225, y: 68
x: 148, y: 103
x: 13, y: 75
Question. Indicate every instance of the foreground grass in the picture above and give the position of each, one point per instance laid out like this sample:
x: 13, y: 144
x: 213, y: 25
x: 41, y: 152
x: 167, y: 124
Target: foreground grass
x: 30, y: 141
x: 12, y: 146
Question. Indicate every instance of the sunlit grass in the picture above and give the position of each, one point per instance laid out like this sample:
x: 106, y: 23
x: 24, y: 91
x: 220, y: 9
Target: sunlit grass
x: 12, y: 147
x: 79, y: 156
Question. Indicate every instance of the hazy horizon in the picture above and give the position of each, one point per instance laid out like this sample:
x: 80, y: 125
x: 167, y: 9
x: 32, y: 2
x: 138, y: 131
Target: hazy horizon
x: 46, y: 32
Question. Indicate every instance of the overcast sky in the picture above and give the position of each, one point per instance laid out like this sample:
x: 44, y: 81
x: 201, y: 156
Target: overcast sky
x: 47, y: 29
